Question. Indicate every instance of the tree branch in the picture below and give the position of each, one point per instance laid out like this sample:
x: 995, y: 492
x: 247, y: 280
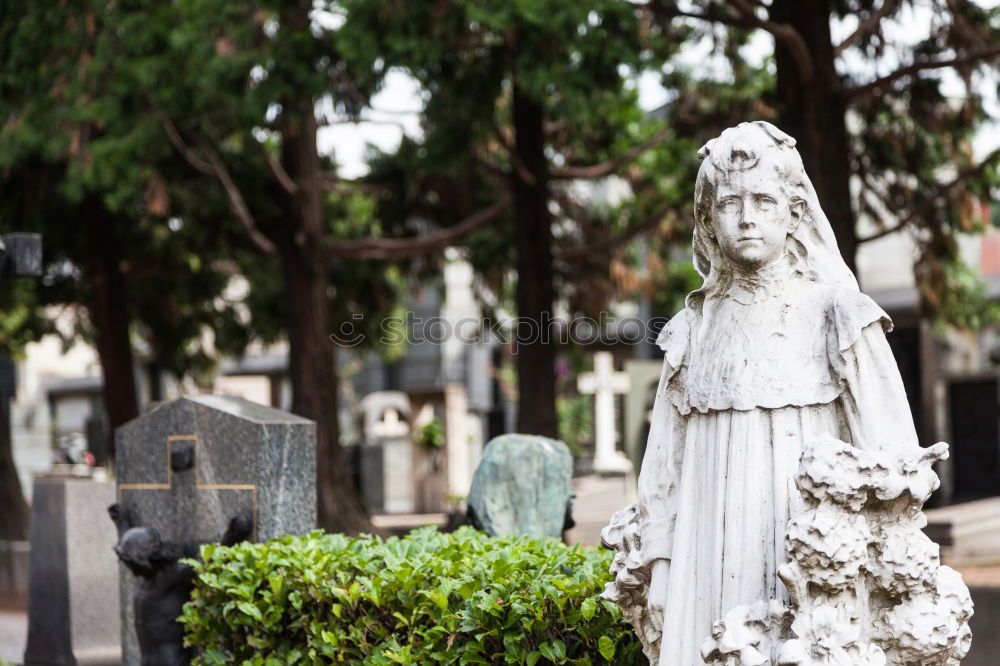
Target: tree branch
x: 612, y: 165
x: 783, y: 33
x: 611, y: 242
x: 213, y: 166
x: 516, y: 162
x: 711, y: 15
x: 941, y: 191
x: 866, y: 26
x: 286, y: 182
x: 915, y: 68
x: 486, y: 163
x: 889, y: 230
x: 185, y: 150
x: 386, y: 249
x: 331, y: 182
x: 239, y: 205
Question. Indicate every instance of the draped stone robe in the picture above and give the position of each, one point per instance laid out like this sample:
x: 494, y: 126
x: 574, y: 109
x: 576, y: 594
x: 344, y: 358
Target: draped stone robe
x: 764, y: 364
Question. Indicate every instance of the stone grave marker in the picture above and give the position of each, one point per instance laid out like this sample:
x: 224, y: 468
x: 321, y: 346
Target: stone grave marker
x: 604, y: 383
x: 190, y: 465
x: 387, y: 453
x: 72, y: 597
x: 522, y: 487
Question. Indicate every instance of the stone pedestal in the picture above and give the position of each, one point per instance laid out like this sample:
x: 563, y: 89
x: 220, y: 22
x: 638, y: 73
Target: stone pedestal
x: 73, y: 606
x: 14, y: 574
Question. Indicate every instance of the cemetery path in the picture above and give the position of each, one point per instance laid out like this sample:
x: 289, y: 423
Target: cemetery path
x: 597, y: 498
x: 13, y: 634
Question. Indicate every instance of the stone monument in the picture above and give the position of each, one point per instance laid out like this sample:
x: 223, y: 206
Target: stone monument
x: 386, y: 455
x: 604, y: 383
x: 778, y: 515
x: 72, y: 589
x: 522, y: 487
x: 188, y: 467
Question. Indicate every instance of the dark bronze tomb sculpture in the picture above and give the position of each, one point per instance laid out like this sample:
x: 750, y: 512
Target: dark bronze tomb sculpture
x: 164, y: 583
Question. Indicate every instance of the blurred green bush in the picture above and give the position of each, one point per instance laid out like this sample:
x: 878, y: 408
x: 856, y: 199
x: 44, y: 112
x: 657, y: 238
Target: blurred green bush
x: 428, y: 598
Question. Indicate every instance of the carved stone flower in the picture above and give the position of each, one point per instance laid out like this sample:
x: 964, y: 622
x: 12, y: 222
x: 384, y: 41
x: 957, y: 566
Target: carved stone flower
x: 828, y: 636
x: 913, y: 476
x: 833, y: 471
x: 904, y: 559
x: 829, y: 544
x: 930, y: 628
x: 745, y: 636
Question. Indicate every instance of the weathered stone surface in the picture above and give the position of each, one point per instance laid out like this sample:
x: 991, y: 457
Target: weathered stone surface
x: 522, y: 486
x: 866, y: 585
x: 189, y: 466
x: 778, y: 358
x: 73, y: 598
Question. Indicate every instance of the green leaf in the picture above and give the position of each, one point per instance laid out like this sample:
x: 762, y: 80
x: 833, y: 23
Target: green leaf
x: 250, y: 610
x: 588, y: 607
x: 606, y: 647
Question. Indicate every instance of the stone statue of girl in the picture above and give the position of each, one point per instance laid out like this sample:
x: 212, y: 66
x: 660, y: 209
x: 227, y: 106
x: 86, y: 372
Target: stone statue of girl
x: 778, y: 347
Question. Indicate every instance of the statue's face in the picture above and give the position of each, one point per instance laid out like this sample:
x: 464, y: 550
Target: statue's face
x: 751, y: 217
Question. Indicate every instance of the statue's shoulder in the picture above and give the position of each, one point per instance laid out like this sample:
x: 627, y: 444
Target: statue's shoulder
x: 845, y: 309
x: 675, y: 331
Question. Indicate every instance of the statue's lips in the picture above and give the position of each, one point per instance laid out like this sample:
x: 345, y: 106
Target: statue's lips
x: 750, y: 240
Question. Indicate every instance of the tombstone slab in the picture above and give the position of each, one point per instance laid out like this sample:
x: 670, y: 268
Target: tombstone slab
x: 522, y: 487
x: 72, y: 598
x: 188, y: 466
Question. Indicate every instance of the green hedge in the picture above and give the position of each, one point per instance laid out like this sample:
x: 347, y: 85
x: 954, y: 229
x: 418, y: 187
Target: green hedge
x: 428, y: 598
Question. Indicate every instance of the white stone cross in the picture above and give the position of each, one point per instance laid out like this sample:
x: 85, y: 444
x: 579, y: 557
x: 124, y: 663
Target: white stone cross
x: 604, y: 383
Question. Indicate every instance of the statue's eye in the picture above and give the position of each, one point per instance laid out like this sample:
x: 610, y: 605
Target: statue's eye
x: 765, y: 202
x: 729, y: 206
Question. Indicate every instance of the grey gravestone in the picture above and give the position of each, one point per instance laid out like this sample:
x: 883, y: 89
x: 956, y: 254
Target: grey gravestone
x: 72, y: 594
x: 189, y: 465
x: 522, y: 487
x: 386, y: 455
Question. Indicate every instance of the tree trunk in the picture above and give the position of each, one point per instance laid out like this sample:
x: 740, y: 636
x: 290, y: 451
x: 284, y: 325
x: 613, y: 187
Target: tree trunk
x: 312, y: 363
x: 14, y: 515
x: 814, y: 113
x: 110, y: 318
x: 536, y: 351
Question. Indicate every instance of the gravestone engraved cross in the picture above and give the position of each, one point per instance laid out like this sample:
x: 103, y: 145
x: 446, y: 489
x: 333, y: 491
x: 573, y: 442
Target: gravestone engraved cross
x: 182, y: 456
x: 604, y: 383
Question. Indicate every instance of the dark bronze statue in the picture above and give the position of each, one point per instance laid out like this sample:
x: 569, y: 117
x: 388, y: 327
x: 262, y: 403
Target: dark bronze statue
x: 164, y: 583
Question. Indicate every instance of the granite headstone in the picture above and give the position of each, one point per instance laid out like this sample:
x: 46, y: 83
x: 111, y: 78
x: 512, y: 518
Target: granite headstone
x: 72, y: 597
x: 190, y: 465
x: 522, y: 487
